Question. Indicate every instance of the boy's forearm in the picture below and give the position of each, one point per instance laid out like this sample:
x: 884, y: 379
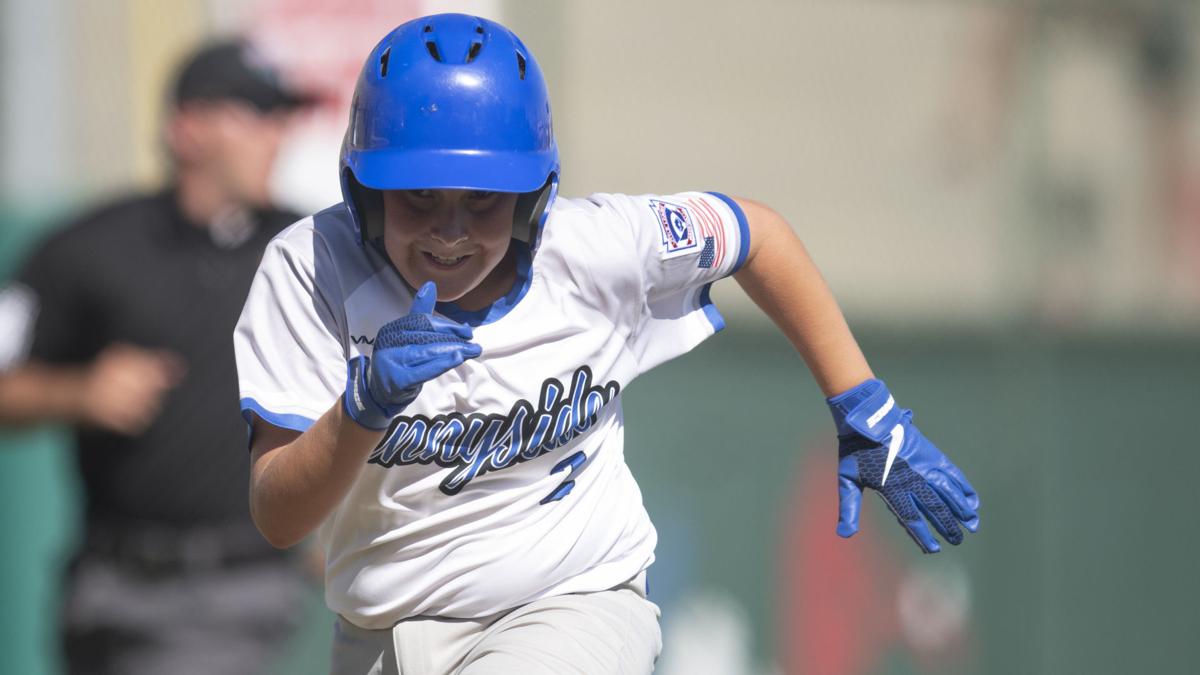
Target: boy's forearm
x: 781, y: 278
x: 294, y: 487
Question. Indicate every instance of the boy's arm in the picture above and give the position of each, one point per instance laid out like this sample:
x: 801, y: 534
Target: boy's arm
x: 879, y: 447
x: 297, y: 479
x: 781, y: 278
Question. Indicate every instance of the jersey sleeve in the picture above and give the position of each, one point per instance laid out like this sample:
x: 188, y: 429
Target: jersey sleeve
x: 289, y: 341
x: 683, y: 243
x: 45, y: 309
x: 18, y: 313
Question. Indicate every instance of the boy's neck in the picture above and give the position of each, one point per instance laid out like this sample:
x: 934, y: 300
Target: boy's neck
x: 494, y: 286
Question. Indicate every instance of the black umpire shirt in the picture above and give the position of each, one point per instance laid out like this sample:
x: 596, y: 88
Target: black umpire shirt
x: 138, y: 272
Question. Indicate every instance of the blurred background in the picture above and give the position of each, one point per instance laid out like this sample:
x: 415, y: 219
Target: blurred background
x: 1004, y: 196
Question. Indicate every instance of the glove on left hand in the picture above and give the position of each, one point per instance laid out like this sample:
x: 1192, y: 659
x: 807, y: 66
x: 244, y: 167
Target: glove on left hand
x: 880, y: 448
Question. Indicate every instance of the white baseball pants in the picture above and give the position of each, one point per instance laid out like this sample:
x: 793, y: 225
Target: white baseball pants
x: 613, y: 632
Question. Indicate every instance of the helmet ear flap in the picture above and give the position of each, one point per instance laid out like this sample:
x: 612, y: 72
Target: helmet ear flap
x: 367, y: 205
x: 531, y: 211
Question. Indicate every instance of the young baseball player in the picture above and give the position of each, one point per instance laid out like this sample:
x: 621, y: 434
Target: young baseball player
x: 433, y: 373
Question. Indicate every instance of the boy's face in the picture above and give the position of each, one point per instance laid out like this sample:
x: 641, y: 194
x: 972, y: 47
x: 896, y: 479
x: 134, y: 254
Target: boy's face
x: 459, y: 239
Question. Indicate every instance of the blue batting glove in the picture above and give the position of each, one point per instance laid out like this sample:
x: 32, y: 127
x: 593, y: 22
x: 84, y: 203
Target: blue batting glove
x: 407, y: 352
x: 880, y: 448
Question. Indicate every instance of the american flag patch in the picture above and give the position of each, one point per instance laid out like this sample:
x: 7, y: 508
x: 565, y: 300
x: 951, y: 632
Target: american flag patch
x: 711, y: 231
x: 677, y: 228
x: 709, y: 253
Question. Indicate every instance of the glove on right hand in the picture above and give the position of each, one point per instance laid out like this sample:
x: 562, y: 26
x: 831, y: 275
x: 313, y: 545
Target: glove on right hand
x: 407, y: 352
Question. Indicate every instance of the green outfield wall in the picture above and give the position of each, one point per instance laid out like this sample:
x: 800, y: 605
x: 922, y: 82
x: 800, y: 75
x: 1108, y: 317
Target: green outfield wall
x: 1079, y: 445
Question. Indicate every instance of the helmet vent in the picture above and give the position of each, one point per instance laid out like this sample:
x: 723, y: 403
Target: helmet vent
x: 433, y: 50
x: 383, y: 61
x: 431, y: 44
x: 521, y: 64
x: 476, y: 42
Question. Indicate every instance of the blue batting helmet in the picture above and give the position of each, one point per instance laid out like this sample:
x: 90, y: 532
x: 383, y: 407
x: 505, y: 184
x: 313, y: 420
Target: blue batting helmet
x: 450, y: 102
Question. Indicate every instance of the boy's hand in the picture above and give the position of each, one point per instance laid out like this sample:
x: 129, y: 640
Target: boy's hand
x: 408, y: 352
x: 880, y: 448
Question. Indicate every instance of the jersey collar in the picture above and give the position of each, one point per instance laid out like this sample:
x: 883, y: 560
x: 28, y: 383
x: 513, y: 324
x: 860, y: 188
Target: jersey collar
x: 502, y: 306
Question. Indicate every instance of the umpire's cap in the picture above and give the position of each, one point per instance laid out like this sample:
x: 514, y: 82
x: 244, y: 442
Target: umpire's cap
x: 232, y: 70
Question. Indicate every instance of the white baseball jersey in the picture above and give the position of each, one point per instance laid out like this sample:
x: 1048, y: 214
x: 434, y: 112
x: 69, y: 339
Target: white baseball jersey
x: 505, y: 480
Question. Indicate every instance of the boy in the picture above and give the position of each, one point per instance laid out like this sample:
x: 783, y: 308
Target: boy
x: 432, y: 372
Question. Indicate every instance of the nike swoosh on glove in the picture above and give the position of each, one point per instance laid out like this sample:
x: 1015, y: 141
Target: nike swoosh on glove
x: 880, y: 448
x: 407, y: 353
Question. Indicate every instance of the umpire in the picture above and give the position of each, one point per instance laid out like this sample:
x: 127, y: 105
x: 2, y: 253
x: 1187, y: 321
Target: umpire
x: 125, y: 319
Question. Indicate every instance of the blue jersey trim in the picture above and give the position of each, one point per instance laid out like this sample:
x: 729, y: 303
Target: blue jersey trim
x: 710, y: 310
x: 496, y: 310
x: 294, y: 422
x: 743, y: 227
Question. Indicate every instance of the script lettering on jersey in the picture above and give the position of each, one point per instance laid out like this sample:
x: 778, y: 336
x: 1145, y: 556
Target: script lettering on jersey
x: 476, y: 444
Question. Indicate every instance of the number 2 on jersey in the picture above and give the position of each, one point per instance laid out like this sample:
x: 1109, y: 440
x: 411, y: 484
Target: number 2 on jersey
x: 564, y: 488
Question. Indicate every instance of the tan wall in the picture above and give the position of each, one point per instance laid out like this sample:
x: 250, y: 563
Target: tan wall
x: 929, y: 186
x: 867, y: 124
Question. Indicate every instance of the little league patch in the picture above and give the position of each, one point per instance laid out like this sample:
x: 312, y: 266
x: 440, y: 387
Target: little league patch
x: 677, y: 228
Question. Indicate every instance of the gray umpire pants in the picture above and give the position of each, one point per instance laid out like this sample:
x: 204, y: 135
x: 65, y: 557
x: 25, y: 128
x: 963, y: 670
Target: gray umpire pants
x: 231, y: 621
x: 610, y: 632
